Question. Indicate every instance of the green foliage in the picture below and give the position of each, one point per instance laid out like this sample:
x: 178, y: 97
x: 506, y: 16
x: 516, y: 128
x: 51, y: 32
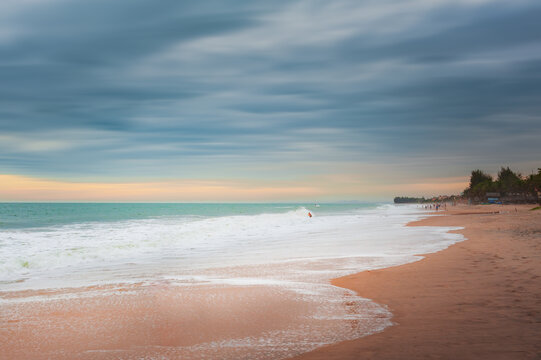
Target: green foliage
x: 408, y: 200
x: 534, y: 181
x: 533, y: 184
x: 482, y: 188
x: 479, y: 177
x: 480, y: 183
x: 422, y: 200
x: 536, y: 208
x: 507, y: 183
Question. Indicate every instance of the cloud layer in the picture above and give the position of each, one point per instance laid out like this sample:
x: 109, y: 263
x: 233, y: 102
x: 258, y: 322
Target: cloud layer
x: 268, y: 90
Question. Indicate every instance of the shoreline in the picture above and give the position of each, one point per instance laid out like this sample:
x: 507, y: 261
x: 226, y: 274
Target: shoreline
x: 290, y: 308
x: 159, y: 319
x: 477, y: 299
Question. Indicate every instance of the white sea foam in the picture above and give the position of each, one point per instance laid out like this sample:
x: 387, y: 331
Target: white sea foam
x: 105, y: 251
x: 139, y: 250
x: 287, y: 255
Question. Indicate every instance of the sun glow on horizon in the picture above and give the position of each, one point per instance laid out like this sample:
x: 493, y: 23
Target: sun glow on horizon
x: 338, y: 187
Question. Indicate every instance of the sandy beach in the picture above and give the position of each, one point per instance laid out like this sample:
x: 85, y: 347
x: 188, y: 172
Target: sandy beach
x: 270, y: 180
x: 478, y: 299
x: 148, y: 288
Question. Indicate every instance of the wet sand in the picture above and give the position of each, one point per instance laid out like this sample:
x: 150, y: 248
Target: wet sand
x: 478, y: 299
x: 137, y: 322
x: 165, y: 320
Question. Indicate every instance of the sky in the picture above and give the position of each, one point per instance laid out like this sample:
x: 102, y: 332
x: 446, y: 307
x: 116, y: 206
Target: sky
x: 140, y: 100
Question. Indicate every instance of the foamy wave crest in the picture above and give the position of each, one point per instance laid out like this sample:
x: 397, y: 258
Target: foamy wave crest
x: 140, y: 249
x: 25, y: 252
x: 301, y: 211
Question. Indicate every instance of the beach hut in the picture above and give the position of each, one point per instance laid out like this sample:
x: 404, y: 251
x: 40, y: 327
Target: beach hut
x: 493, y: 197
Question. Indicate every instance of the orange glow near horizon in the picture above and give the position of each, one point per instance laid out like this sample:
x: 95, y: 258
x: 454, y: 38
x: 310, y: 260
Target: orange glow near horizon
x: 336, y: 187
x: 22, y: 188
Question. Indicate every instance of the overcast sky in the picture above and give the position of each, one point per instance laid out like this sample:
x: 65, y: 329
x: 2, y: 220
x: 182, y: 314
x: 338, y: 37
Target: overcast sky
x: 357, y: 99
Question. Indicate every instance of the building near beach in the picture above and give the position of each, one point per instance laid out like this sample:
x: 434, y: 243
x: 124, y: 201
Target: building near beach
x: 519, y: 198
x: 493, y: 197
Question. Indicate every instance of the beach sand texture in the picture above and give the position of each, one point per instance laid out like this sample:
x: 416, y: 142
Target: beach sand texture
x: 479, y: 299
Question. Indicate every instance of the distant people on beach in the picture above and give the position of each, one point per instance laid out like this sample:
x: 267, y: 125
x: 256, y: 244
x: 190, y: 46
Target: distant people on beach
x: 436, y: 207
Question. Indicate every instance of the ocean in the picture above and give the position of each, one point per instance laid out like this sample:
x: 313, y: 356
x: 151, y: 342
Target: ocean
x: 195, y: 249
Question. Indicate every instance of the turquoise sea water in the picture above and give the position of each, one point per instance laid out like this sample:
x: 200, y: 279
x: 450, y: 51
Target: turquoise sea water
x: 114, y: 252
x: 32, y: 215
x: 45, y: 245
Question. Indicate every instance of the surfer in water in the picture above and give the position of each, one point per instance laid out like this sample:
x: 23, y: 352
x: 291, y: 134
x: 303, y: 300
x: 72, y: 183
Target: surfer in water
x: 309, y: 214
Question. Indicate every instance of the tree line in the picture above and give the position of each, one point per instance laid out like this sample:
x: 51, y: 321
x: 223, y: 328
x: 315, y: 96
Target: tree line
x: 510, y: 186
x: 408, y: 200
x: 423, y: 200
x: 507, y: 183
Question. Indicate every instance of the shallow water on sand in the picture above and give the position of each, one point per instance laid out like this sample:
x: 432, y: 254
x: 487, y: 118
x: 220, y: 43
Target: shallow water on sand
x: 237, y: 286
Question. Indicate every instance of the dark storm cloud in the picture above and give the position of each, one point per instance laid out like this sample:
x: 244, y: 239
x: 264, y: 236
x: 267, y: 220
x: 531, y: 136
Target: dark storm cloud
x: 496, y: 32
x: 93, y: 87
x: 63, y: 68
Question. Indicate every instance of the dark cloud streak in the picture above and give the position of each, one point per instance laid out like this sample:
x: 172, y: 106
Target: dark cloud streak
x: 183, y: 82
